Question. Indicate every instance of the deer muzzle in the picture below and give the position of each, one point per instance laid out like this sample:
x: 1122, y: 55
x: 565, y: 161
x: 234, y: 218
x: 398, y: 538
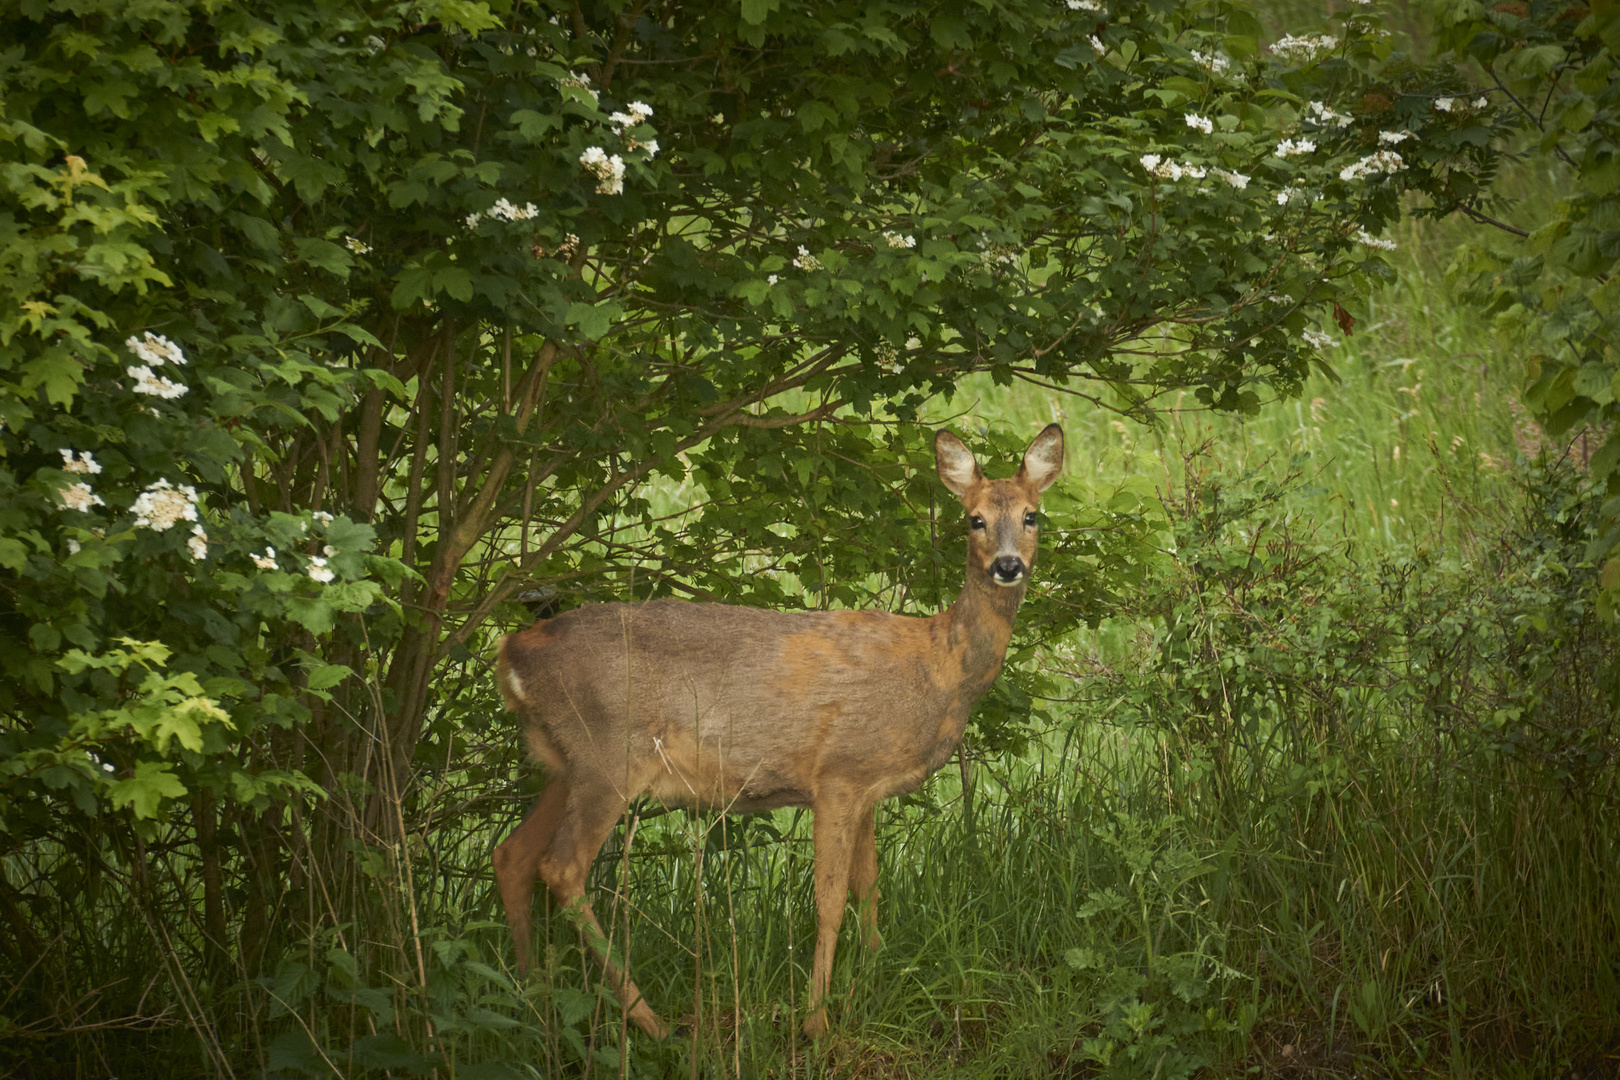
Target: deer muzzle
x: 1008, y: 570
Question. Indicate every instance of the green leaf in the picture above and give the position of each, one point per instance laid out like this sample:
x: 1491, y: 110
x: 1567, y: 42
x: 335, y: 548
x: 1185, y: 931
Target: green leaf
x: 146, y: 790
x: 754, y: 11
x: 327, y: 676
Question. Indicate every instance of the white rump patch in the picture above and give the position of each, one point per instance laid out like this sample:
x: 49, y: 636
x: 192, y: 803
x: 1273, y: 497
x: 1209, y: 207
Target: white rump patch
x: 515, y: 685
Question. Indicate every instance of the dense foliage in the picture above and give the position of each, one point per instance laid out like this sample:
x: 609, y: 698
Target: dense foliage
x: 1545, y: 270
x: 330, y: 332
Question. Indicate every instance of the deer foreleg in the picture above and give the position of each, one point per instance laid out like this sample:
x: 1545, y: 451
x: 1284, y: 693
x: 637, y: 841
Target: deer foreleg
x: 863, y: 872
x: 835, y: 831
x: 517, y: 864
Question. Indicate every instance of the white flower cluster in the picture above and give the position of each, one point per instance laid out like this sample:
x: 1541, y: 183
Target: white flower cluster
x: 1384, y: 161
x: 565, y: 250
x: 1170, y: 170
x: 1325, y: 116
x: 609, y: 170
x: 895, y: 240
x: 997, y: 255
x: 806, y: 261
x: 1085, y: 5
x: 1199, y: 123
x: 79, y: 497
x: 197, y: 543
x: 1096, y: 43
x: 1447, y: 104
x: 322, y: 517
x: 162, y: 504
x: 267, y: 561
x: 156, y: 350
x: 504, y: 210
x: 1293, y: 194
x: 1394, y: 138
x: 638, y: 114
x: 318, y: 569
x: 1304, y: 49
x: 1363, y: 236
x: 1317, y: 340
x: 1214, y: 63
x: 1293, y: 148
x: 583, y: 82
x: 84, y: 463
x: 356, y: 245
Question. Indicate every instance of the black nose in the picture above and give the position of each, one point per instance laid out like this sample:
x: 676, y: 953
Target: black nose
x: 1008, y: 568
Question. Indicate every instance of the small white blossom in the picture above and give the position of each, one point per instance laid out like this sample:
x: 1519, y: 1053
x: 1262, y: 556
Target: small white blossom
x: 1157, y: 166
x: 267, y: 561
x: 770, y: 279
x: 1197, y: 172
x: 1214, y: 63
x: 1289, y: 194
x: 1384, y: 161
x: 1394, y: 138
x: 198, y: 543
x: 1236, y: 179
x: 583, y: 82
x: 651, y: 146
x: 329, y: 551
x: 79, y: 497
x: 718, y: 118
x: 806, y: 261
x: 1363, y: 236
x: 1444, y: 104
x: 896, y: 240
x: 1295, y: 147
x: 322, y: 516
x: 1323, y: 115
x: 1304, y: 49
x: 356, y: 245
x: 1096, y: 43
x: 1199, y: 123
x: 375, y: 44
x: 1085, y: 5
x: 609, y: 170
x: 155, y: 349
x: 506, y: 210
x: 318, y: 571
x: 162, y: 504
x: 73, y: 547
x: 1317, y: 340
x: 156, y: 385
x: 473, y: 219
x: 84, y: 463
x: 1481, y: 102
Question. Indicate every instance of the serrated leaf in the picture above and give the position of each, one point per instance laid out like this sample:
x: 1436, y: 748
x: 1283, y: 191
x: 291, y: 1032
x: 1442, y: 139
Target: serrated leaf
x: 145, y: 791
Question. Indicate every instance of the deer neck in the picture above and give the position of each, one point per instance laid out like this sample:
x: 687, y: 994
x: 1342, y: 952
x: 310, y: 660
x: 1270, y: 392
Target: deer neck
x: 978, y: 628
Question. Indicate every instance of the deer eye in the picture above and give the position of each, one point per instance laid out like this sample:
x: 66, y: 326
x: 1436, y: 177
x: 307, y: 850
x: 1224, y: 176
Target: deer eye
x: 1031, y: 519
x: 976, y: 521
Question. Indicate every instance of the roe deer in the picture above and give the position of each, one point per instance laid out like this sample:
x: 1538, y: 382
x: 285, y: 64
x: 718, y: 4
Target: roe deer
x: 743, y: 709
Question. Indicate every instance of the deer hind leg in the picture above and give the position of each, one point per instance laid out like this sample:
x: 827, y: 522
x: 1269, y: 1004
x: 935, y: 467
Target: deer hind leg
x: 863, y: 872
x: 835, y: 829
x: 517, y: 863
x: 591, y: 813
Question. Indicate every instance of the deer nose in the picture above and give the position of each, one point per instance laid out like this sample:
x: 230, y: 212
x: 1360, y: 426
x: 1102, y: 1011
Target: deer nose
x: 1007, y: 570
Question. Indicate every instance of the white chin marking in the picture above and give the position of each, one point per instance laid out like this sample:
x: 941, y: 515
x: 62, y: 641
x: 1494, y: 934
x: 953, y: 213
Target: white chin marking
x: 1019, y: 580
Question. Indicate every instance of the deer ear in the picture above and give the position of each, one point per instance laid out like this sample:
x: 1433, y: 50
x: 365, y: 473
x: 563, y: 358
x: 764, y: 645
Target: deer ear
x: 1044, y: 458
x: 956, y: 465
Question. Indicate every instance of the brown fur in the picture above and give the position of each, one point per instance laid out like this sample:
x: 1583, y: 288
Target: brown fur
x: 744, y: 709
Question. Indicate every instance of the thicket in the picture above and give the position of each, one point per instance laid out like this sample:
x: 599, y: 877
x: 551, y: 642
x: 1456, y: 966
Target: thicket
x: 332, y: 335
